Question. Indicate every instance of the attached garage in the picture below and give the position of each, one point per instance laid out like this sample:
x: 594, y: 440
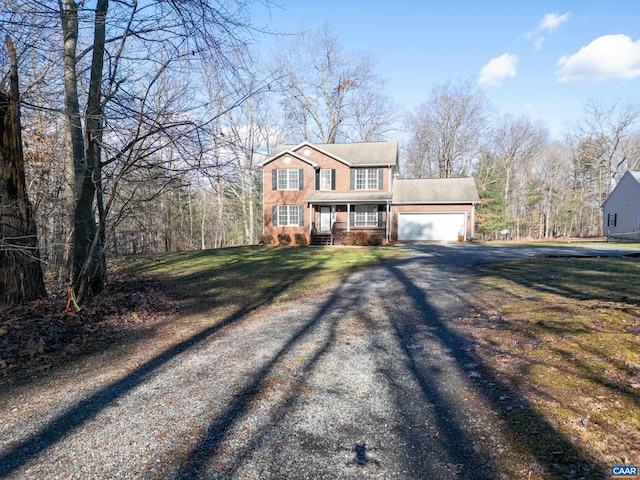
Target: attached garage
x: 441, y: 226
x: 436, y: 209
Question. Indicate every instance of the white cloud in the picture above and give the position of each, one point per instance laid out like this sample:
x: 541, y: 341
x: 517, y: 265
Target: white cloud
x: 537, y: 43
x: 498, y: 69
x: 551, y: 21
x: 608, y: 57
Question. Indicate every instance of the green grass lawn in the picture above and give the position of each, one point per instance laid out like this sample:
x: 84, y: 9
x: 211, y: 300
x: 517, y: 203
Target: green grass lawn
x: 247, y: 276
x: 565, y: 333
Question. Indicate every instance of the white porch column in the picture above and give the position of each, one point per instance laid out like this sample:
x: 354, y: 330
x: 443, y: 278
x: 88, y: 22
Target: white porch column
x: 348, y: 217
x: 388, y: 224
x: 310, y: 218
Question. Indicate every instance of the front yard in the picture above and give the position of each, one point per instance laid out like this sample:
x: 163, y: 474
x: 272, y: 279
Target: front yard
x: 565, y: 334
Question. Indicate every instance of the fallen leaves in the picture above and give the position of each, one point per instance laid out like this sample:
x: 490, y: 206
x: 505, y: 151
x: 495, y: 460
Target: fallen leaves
x: 36, y: 336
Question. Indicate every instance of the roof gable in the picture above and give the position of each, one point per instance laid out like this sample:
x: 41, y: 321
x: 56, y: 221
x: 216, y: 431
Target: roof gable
x: 283, y: 153
x: 364, y: 154
x: 630, y: 176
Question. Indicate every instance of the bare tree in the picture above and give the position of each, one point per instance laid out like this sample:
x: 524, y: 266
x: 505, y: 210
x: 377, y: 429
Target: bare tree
x: 611, y: 132
x: 517, y: 141
x: 21, y: 277
x: 114, y: 58
x: 448, y: 131
x: 330, y: 95
x: 605, y: 145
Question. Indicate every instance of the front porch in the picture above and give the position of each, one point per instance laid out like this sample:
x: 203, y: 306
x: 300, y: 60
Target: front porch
x: 330, y: 223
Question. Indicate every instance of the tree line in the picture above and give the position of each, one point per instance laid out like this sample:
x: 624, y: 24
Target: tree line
x: 141, y: 125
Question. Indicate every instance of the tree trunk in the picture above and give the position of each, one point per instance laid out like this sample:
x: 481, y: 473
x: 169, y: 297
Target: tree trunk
x: 89, y: 265
x: 21, y: 277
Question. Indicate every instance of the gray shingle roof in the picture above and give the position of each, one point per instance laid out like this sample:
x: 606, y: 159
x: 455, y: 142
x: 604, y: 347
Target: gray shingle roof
x: 435, y: 190
x: 357, y: 154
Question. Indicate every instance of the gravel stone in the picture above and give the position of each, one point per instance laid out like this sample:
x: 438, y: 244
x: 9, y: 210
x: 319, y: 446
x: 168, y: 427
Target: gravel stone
x: 366, y: 379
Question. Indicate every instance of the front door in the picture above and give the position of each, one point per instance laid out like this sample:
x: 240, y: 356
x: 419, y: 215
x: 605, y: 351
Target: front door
x: 325, y: 219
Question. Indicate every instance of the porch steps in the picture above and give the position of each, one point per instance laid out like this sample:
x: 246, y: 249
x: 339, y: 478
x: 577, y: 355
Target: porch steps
x: 320, y: 239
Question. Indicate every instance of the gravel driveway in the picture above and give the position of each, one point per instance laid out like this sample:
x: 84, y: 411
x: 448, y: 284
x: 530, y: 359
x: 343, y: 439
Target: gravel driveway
x: 366, y: 380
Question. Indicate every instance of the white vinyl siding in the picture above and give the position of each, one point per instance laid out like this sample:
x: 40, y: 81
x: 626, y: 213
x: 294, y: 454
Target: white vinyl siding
x: 622, y: 207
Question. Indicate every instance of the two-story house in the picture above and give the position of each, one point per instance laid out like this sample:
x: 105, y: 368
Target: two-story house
x: 324, y: 190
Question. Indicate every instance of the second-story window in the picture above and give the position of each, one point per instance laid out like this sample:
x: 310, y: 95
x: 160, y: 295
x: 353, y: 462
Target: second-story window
x: 287, y: 178
x: 325, y: 179
x: 367, y: 179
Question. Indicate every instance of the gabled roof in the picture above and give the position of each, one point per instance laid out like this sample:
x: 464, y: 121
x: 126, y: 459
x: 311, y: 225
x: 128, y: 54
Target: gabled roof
x: 286, y: 151
x: 633, y: 174
x: 435, y: 191
x: 364, y: 154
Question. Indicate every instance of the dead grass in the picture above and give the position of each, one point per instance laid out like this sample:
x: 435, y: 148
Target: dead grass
x: 565, y: 334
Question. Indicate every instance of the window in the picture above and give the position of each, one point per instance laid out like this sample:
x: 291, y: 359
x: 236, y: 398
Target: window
x: 366, y: 179
x: 287, y: 179
x: 325, y: 182
x: 365, y: 216
x: 612, y: 219
x: 287, y: 216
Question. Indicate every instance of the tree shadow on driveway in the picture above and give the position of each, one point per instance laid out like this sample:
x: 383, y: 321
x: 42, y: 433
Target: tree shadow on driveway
x: 20, y: 452
x: 418, y: 319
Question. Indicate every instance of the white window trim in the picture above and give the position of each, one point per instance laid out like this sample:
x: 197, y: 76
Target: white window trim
x: 369, y: 180
x: 325, y: 179
x: 365, y: 216
x: 288, y: 209
x: 289, y: 178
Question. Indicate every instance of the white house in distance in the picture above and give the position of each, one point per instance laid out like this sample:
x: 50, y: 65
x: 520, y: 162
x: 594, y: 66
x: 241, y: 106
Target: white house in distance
x: 622, y: 208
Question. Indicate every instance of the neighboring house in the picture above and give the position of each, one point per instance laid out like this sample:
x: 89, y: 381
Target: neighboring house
x: 324, y: 190
x: 622, y: 208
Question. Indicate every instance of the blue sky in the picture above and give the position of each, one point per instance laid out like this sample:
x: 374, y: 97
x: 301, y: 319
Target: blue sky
x: 540, y: 58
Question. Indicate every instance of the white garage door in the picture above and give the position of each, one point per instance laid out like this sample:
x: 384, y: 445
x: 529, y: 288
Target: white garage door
x: 430, y: 226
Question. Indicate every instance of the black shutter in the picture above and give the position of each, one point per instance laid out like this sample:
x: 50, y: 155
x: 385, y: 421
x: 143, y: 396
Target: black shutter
x: 300, y: 179
x: 615, y: 219
x: 317, y: 179
x: 274, y: 179
x: 380, y: 178
x: 274, y: 216
x: 353, y: 179
x: 333, y: 179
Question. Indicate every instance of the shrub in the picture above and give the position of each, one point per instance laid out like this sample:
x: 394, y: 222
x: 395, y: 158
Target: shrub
x: 300, y: 239
x: 375, y: 240
x: 265, y: 240
x: 361, y: 239
x: 284, y: 239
